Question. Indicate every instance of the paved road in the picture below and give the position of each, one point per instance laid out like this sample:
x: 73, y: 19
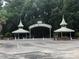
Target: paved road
x: 39, y: 49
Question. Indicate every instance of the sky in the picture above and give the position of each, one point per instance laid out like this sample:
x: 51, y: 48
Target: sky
x: 4, y: 3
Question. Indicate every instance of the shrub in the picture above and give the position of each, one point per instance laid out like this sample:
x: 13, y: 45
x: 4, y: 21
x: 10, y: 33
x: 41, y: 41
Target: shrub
x: 7, y: 34
x: 77, y: 34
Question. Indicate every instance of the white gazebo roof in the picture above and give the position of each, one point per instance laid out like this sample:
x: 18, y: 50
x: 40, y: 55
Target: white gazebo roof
x: 40, y: 24
x: 64, y: 29
x: 63, y: 22
x: 20, y: 30
x: 20, y: 24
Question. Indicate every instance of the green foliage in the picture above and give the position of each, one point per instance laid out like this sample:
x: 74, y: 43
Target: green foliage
x: 77, y: 34
x: 3, y: 16
x: 7, y: 34
x: 0, y: 4
x: 49, y: 11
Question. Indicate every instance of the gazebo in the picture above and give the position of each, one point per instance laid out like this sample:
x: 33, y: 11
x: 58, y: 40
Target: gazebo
x: 40, y: 24
x: 64, y: 29
x: 20, y: 30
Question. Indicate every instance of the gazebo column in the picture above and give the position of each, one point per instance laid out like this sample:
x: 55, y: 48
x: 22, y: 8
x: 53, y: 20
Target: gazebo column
x: 70, y: 36
x: 61, y: 35
x: 26, y: 35
x: 55, y: 36
x: 22, y: 36
x: 14, y: 36
x: 18, y: 36
x: 30, y: 34
x: 50, y: 32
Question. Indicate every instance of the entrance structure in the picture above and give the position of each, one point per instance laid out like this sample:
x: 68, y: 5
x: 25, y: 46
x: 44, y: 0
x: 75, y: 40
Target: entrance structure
x: 20, y: 31
x: 64, y: 29
x: 40, y: 24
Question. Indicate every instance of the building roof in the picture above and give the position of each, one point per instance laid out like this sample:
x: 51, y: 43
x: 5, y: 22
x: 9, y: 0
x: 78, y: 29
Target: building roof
x: 64, y: 29
x: 40, y: 24
x: 20, y: 30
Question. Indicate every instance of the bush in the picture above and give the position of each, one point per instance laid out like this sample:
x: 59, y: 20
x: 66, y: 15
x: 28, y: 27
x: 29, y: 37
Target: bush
x: 77, y: 34
x: 7, y: 34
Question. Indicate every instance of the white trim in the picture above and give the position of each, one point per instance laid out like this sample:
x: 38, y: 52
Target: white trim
x: 40, y: 25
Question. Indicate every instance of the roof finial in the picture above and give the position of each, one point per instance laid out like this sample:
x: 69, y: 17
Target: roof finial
x: 63, y: 22
x: 20, y: 24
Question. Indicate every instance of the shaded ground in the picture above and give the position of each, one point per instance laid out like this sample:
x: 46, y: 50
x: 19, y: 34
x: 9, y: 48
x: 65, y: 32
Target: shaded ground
x: 39, y: 49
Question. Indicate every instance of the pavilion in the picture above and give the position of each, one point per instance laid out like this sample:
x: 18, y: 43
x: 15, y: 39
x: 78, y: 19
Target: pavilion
x: 20, y: 33
x: 40, y: 24
x: 64, y: 29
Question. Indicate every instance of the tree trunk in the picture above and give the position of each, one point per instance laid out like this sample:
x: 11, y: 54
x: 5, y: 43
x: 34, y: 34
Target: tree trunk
x: 0, y: 28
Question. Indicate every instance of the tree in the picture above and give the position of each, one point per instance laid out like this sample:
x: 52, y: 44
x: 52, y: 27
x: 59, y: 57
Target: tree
x: 49, y: 11
x: 3, y: 14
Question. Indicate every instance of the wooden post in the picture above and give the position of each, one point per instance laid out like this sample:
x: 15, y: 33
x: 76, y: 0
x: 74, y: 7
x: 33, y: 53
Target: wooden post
x: 50, y: 32
x: 61, y: 34
x: 18, y: 36
x: 70, y: 36
x: 30, y: 34
x: 14, y: 36
x: 26, y: 35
